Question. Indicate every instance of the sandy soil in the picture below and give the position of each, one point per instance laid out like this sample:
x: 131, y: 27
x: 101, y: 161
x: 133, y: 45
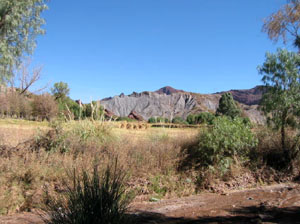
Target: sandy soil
x: 271, y: 204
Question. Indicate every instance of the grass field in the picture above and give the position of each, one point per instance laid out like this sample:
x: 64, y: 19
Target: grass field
x: 37, y: 158
x: 148, y: 156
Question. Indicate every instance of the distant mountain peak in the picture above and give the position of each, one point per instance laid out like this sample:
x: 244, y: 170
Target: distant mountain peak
x: 168, y: 90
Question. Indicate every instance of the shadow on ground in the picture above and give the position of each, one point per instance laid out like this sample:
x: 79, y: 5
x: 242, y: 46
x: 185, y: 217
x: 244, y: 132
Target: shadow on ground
x: 252, y: 214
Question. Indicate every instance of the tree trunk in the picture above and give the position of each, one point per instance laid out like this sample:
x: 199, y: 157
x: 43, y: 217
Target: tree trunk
x: 283, y: 138
x: 286, y: 153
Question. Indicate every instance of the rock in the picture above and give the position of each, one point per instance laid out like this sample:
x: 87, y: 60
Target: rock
x: 151, y: 105
x: 134, y: 115
x: 153, y: 199
x: 248, y: 96
x: 109, y: 114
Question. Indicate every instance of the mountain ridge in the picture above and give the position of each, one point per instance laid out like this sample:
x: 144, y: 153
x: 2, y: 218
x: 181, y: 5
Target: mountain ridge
x: 170, y: 102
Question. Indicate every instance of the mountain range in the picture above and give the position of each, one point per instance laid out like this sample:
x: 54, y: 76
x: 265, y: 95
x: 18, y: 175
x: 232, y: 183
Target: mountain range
x: 170, y: 102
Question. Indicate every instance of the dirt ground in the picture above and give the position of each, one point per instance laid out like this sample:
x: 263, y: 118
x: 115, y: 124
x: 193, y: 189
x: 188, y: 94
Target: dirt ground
x: 271, y: 204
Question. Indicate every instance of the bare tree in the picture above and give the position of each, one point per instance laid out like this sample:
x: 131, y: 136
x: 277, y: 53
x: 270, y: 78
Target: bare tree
x: 284, y: 23
x: 27, y: 77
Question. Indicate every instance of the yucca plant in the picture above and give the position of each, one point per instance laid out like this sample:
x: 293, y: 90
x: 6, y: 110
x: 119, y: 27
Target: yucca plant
x: 92, y: 199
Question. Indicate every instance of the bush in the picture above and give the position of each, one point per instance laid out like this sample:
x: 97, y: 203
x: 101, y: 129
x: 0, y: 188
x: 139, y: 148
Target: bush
x: 125, y: 119
x: 158, y: 120
x: 201, y: 118
x: 269, y: 152
x: 75, y: 137
x: 91, y: 199
x: 178, y: 120
x: 44, y: 107
x: 226, y: 141
x: 85, y: 131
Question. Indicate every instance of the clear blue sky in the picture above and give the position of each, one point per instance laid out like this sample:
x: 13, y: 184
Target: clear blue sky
x: 102, y: 48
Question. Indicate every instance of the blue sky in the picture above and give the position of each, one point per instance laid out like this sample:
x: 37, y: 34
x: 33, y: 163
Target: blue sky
x: 102, y: 48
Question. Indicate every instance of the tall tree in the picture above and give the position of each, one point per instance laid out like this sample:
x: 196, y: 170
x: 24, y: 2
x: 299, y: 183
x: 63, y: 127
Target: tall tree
x: 281, y: 102
x: 227, y: 106
x: 20, y: 23
x: 60, y: 90
x: 285, y: 23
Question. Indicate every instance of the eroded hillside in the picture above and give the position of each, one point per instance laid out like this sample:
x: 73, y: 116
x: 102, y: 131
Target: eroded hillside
x: 169, y: 102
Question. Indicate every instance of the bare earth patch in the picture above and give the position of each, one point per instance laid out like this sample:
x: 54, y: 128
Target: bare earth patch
x: 272, y: 204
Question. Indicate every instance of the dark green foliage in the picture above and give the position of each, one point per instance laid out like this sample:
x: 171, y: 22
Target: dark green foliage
x: 226, y: 140
x: 87, y: 110
x: 191, y: 119
x: 75, y: 109
x: 247, y: 121
x: 227, y: 106
x: 179, y: 120
x: 93, y: 110
x: 201, y: 118
x: 91, y: 199
x: 281, y: 102
x: 125, y: 119
x: 152, y: 120
x: 158, y: 120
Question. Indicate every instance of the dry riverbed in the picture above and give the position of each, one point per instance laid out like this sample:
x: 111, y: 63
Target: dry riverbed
x: 270, y: 204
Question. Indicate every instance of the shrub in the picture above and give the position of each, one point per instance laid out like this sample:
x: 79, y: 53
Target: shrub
x: 86, y: 131
x: 125, y: 119
x: 76, y: 137
x: 158, y: 120
x: 201, y: 118
x: 91, y: 199
x: 178, y: 120
x: 269, y: 153
x: 44, y: 107
x: 227, y: 140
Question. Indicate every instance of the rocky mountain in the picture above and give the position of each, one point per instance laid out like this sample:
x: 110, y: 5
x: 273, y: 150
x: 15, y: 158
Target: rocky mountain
x: 168, y: 90
x: 169, y: 102
x: 248, y: 96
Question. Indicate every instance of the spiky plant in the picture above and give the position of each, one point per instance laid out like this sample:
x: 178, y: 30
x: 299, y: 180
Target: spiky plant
x: 92, y: 199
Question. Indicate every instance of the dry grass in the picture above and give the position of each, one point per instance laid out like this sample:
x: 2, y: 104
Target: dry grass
x: 16, y: 131
x: 150, y: 157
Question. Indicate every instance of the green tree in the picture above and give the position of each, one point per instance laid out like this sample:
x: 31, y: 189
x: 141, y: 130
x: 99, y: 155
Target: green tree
x: 20, y: 23
x: 191, y: 119
x: 281, y: 102
x: 158, y: 120
x: 60, y: 90
x: 227, y: 106
x: 201, y: 118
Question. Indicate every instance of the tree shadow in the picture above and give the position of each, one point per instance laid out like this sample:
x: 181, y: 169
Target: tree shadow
x: 252, y: 214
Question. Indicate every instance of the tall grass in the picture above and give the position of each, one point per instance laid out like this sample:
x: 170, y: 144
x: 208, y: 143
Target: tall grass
x: 150, y: 158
